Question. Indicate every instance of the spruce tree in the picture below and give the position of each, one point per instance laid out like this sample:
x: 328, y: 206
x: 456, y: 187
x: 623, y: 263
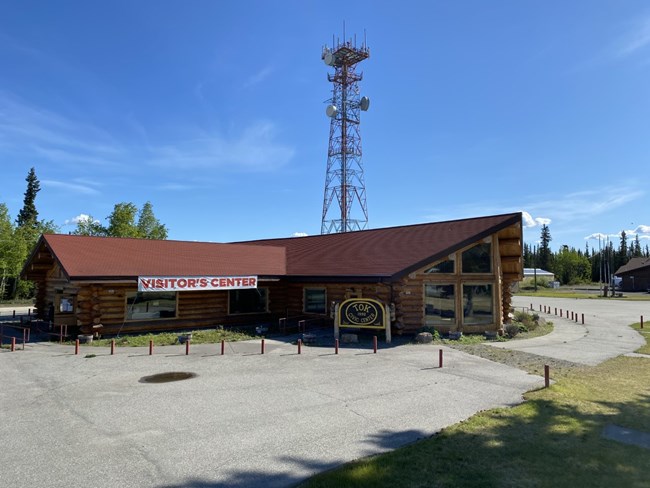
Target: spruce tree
x: 28, y: 215
x: 544, y: 259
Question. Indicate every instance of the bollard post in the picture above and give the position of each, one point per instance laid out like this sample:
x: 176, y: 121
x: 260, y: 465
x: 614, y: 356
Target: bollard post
x: 531, y: 307
x: 576, y: 317
x: 223, y: 347
x: 571, y: 315
x: 374, y: 344
x: 112, y: 347
x: 14, y: 315
x: 13, y: 344
x: 642, y: 321
x: 336, y: 346
x: 540, y: 308
x: 150, y: 347
x: 76, y: 346
x: 299, y: 346
x: 440, y: 358
x: 547, y: 380
x: 187, y: 347
x: 262, y: 346
x: 560, y: 313
x: 555, y: 311
x: 583, y: 319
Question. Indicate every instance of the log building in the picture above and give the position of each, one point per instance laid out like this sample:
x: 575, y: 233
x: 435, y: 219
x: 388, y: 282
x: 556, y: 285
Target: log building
x: 452, y: 276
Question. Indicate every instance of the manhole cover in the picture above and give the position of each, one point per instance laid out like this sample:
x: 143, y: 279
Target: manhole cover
x: 167, y: 377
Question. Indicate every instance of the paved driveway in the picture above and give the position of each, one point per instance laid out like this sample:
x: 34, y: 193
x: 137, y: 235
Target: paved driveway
x: 246, y: 420
x: 606, y: 333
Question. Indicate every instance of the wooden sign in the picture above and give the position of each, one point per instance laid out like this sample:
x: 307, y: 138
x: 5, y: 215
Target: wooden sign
x: 362, y: 313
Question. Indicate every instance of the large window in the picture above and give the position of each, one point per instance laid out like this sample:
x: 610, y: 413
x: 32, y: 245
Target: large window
x: 478, y: 259
x: 477, y: 305
x: 447, y: 267
x: 150, y: 305
x: 248, y: 301
x: 439, y: 305
x: 315, y: 300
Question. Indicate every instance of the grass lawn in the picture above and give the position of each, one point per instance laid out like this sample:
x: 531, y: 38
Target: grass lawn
x: 645, y: 332
x: 204, y: 336
x: 553, y: 439
x: 551, y: 293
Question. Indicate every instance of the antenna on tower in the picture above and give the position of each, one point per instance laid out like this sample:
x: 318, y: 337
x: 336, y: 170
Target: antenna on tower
x: 344, y: 180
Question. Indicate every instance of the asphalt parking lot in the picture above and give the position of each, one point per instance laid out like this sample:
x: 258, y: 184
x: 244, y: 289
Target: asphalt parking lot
x: 248, y: 419
x: 245, y: 420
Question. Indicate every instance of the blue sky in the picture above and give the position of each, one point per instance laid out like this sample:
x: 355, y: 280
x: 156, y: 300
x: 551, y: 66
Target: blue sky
x: 213, y: 111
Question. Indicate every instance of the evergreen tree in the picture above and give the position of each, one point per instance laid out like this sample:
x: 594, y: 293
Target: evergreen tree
x: 544, y: 258
x: 636, y: 253
x: 28, y: 215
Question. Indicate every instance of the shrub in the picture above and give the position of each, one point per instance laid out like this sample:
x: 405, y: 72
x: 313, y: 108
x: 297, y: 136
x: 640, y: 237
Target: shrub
x: 512, y: 329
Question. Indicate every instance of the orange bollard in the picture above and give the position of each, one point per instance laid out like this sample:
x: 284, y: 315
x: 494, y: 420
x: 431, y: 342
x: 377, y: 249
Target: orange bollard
x: 112, y: 346
x: 76, y: 346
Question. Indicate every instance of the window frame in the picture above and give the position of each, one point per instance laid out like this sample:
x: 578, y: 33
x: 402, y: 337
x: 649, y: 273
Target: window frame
x: 493, y: 306
x: 266, y: 301
x: 136, y: 293
x: 305, y: 290
x: 490, y: 260
x: 455, y: 322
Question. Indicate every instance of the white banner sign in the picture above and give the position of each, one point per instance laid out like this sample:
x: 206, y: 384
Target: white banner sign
x: 195, y: 283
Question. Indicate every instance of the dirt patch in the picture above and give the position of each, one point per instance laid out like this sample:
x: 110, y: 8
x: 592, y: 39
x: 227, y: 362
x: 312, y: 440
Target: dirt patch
x: 531, y: 363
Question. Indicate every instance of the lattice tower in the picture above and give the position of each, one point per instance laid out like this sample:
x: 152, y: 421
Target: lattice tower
x: 344, y: 180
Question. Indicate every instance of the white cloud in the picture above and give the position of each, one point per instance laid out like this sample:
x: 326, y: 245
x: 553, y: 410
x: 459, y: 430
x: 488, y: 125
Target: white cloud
x: 636, y: 39
x: 529, y: 221
x: 641, y: 229
x: 255, y: 149
x: 596, y: 236
x: 74, y: 187
x: 299, y: 234
x: 55, y: 136
x: 258, y: 77
x: 80, y: 218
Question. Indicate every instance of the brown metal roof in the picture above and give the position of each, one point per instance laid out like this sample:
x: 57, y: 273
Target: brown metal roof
x: 379, y: 253
x: 633, y: 265
x: 110, y: 257
x: 390, y: 252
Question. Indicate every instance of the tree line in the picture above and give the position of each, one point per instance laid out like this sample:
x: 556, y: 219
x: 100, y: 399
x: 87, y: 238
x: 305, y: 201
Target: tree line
x: 18, y: 238
x: 571, y: 266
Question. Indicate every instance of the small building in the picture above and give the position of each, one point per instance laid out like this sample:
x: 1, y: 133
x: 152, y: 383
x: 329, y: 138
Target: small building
x: 635, y: 275
x: 453, y: 276
x: 539, y: 273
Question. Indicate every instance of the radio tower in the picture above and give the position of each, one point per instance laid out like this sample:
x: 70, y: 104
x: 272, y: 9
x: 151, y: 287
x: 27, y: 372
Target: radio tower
x: 344, y: 181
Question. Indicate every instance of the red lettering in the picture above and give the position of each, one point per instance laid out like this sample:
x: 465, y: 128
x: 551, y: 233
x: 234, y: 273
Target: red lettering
x: 159, y: 283
x: 253, y: 282
x: 191, y: 283
x: 222, y: 282
x: 215, y: 282
x: 182, y: 283
x: 244, y: 282
x: 172, y: 283
x: 203, y: 282
x: 231, y: 282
